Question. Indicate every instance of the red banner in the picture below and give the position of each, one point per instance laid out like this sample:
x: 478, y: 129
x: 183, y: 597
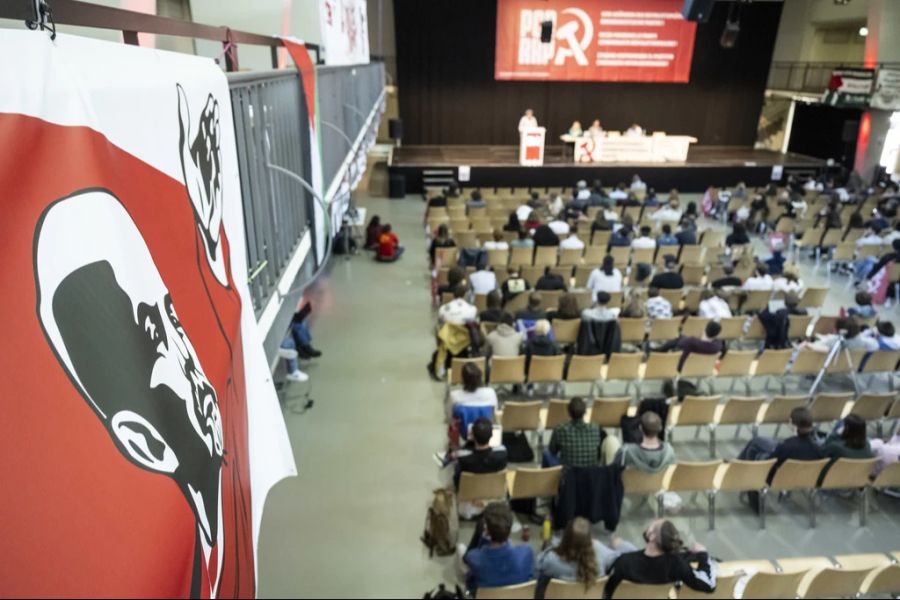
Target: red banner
x: 612, y: 40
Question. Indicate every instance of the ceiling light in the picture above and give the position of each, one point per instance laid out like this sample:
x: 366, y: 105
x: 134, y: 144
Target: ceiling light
x: 864, y: 31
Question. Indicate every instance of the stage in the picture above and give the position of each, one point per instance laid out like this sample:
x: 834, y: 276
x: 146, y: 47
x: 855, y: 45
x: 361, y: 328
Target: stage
x: 497, y: 166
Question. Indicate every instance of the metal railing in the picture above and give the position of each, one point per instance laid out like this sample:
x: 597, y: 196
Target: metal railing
x: 811, y: 77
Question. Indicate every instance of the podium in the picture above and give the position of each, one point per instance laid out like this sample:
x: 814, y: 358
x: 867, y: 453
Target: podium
x: 531, y: 146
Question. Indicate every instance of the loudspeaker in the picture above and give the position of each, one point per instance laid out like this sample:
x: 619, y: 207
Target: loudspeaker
x: 697, y: 10
x: 730, y: 34
x: 397, y: 186
x: 546, y: 31
x: 850, y: 131
x: 395, y: 129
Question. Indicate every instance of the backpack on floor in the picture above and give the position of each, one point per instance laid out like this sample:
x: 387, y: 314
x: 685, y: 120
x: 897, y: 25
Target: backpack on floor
x: 442, y: 593
x: 441, y: 524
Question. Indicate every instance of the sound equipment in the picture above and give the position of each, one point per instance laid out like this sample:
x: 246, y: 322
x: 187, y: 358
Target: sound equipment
x: 546, y: 31
x: 697, y: 10
x: 395, y: 129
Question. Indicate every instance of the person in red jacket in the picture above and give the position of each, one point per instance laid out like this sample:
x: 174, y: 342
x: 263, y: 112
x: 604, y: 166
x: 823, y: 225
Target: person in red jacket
x: 389, y: 248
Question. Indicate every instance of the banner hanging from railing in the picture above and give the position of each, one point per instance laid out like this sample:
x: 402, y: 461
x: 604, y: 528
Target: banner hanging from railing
x: 849, y: 88
x: 345, y: 31
x: 141, y: 431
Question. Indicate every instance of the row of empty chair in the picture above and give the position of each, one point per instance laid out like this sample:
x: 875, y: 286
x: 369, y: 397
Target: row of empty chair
x: 840, y: 576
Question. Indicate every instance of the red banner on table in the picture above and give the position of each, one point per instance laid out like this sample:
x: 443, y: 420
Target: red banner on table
x: 608, y: 40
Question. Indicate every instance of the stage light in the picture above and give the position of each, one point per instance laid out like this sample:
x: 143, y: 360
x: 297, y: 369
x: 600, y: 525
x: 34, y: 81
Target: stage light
x: 863, y: 31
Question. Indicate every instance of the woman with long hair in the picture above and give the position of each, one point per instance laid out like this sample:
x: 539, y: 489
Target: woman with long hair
x: 566, y: 309
x: 373, y: 232
x: 577, y: 557
x: 848, y: 440
x: 513, y: 223
x: 441, y: 240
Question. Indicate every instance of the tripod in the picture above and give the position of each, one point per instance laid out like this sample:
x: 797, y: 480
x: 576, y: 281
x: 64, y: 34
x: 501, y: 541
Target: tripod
x: 839, y: 346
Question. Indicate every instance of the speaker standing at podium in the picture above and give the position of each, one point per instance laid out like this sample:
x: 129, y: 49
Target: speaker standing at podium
x: 527, y: 121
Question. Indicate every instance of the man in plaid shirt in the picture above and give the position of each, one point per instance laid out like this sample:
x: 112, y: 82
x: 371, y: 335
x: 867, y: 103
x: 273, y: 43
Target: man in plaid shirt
x: 576, y: 443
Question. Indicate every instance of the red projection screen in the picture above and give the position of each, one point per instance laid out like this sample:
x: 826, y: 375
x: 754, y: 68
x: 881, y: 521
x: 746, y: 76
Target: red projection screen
x: 594, y: 40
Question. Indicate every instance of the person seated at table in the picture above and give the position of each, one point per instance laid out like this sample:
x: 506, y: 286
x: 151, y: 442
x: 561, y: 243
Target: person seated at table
x: 670, y: 278
x: 664, y: 560
x: 389, y: 248
x: 567, y: 308
x: 634, y: 131
x: 595, y: 130
x: 494, y: 310
x: 490, y: 559
x: 522, y: 241
x: 505, y: 341
x: 498, y: 243
x: 667, y: 239
x: 550, y: 281
x: 600, y: 310
x: 657, y: 307
x: 644, y: 240
x: 441, y: 240
x: 651, y: 455
x: 577, y: 557
x: 575, y: 129
x: 514, y: 285
x: 373, y: 232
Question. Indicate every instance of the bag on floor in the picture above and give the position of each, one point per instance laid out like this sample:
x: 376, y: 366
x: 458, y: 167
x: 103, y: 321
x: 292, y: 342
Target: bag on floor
x: 441, y: 524
x: 518, y: 450
x: 442, y: 593
x: 683, y: 389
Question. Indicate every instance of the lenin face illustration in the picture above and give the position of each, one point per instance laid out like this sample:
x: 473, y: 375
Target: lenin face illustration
x: 114, y: 328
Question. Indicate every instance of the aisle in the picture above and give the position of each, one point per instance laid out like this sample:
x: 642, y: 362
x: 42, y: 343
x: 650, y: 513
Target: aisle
x: 349, y: 525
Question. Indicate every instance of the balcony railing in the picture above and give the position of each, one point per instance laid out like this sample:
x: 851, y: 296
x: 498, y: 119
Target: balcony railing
x: 811, y: 77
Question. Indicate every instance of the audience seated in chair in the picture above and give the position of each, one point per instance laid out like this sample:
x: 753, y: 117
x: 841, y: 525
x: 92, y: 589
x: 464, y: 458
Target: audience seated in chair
x: 656, y: 306
x: 573, y: 242
x: 803, y: 445
x: 441, y: 240
x: 540, y: 343
x: 651, y: 455
x: 670, y: 278
x: 455, y: 276
x: 705, y: 344
x: 576, y: 443
x: 373, y: 232
x: 644, y: 240
x: 483, y: 281
x: 605, y: 278
x: 600, y: 311
x: 713, y: 305
x: 473, y: 393
x: 522, y: 241
x: 760, y: 280
x: 458, y: 311
x: 729, y: 280
x: 634, y: 306
x: 664, y: 560
x: 491, y: 560
x: 550, y: 281
x: 497, y: 243
x: 854, y: 338
x: 848, y: 439
x: 527, y: 317
x: 567, y: 308
x: 577, y: 557
x: 514, y: 285
x: 494, y: 310
x: 545, y: 236
x: 481, y: 458
x: 505, y: 341
x: 667, y: 239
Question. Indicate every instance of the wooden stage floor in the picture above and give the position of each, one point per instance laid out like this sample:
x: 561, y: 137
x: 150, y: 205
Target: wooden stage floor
x: 503, y: 156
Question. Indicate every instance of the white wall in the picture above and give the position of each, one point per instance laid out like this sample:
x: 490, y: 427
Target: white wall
x: 801, y: 29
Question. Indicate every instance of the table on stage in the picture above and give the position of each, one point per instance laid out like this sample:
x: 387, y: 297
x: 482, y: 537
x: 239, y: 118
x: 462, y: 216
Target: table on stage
x: 614, y: 147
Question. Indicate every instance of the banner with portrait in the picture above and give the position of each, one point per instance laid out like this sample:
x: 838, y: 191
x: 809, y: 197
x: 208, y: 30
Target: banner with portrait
x: 141, y: 429
x: 344, y: 26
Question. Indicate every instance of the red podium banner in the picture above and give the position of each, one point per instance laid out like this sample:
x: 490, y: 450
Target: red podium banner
x: 612, y: 40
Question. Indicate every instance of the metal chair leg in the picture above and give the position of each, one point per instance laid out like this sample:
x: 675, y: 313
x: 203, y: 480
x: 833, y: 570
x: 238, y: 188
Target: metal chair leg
x: 712, y: 441
x: 812, y: 509
x: 863, y: 505
x: 712, y: 509
x: 762, y: 507
x: 659, y: 506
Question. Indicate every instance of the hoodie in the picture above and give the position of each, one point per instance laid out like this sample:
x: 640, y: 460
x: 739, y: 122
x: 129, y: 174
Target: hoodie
x: 645, y: 459
x: 505, y: 341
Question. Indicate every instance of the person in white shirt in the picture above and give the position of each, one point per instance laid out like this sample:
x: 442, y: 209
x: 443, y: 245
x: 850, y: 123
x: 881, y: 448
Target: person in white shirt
x: 573, y: 242
x: 483, y: 281
x: 644, y: 240
x: 556, y: 206
x: 869, y: 238
x: 713, y: 306
x: 527, y: 121
x: 559, y: 226
x: 595, y: 130
x: 634, y: 131
x: 636, y: 183
x: 761, y: 280
x: 498, y: 243
x: 523, y: 212
x: 473, y: 391
x: 457, y: 311
x: 605, y: 278
x: 671, y: 212
x: 789, y: 281
x: 619, y: 193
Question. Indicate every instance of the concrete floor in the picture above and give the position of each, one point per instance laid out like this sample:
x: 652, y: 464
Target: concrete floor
x: 349, y: 524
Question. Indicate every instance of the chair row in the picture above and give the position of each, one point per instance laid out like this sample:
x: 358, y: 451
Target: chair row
x: 710, y: 412
x: 661, y: 366
x: 710, y: 478
x: 841, y: 576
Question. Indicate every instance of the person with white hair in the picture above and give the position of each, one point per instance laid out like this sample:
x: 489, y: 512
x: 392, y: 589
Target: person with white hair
x: 636, y: 184
x: 528, y: 121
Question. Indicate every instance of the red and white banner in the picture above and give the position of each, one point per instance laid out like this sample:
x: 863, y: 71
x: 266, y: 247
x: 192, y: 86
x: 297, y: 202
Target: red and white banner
x: 345, y: 31
x: 141, y: 432
x: 594, y: 40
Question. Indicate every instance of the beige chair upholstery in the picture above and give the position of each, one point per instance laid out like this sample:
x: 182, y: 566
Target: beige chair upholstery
x: 533, y: 483
x: 507, y: 369
x: 521, y: 416
x: 522, y: 591
x: 546, y: 368
x: 608, y: 412
x: 482, y: 486
x: 562, y: 590
x: 646, y: 591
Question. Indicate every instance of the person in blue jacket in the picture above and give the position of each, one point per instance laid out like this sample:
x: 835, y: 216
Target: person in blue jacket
x: 491, y: 559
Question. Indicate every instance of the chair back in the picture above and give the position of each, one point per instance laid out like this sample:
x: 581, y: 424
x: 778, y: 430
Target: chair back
x: 521, y: 256
x: 873, y: 406
x: 740, y: 411
x: 638, y: 482
x: 755, y: 331
x: 693, y: 275
x: 608, y: 412
x: 693, y: 476
x: 662, y: 330
x: 808, y: 362
x: 773, y: 362
x: 736, y: 363
x: 756, y: 300
x: 550, y: 299
x: 886, y: 580
x: 570, y: 256
x: 521, y: 416
x: 566, y: 330
x: 695, y: 410
x: 848, y: 473
x: 558, y: 589
x: 798, y: 474
x: 744, y: 475
x: 507, y: 369
x: 829, y: 407
x: 762, y: 585
x: 779, y: 409
x: 557, y: 413
x: 882, y: 361
x: 545, y: 255
x: 632, y: 330
x: 699, y: 365
x: 534, y: 483
x: 482, y: 486
x: 516, y: 303
x: 732, y: 328
x: 673, y: 296
x: 521, y: 591
x: 584, y: 368
x: 498, y: 258
x: 546, y: 368
x: 813, y: 297
x: 457, y: 364
x: 623, y: 365
x: 662, y: 365
x: 694, y: 326
x: 888, y: 477
x: 798, y: 325
x: 636, y: 591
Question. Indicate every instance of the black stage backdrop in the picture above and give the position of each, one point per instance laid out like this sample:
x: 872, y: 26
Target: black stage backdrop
x: 448, y: 95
